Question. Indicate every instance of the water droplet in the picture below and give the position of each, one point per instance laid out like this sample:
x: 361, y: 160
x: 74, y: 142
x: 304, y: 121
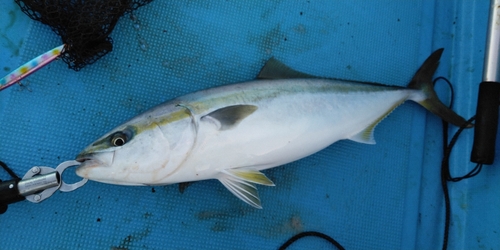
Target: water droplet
x: 137, y: 26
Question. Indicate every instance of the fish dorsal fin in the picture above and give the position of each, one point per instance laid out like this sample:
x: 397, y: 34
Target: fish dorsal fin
x: 274, y: 69
x: 228, y: 117
x: 240, y: 182
x: 366, y: 135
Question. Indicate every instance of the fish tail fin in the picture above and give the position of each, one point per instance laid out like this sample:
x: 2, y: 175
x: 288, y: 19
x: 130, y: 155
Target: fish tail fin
x: 423, y: 81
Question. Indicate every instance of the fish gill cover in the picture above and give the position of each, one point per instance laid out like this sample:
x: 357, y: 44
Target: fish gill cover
x: 84, y: 26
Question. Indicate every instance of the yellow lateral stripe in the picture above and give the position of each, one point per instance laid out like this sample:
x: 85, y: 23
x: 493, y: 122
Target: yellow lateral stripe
x: 170, y: 118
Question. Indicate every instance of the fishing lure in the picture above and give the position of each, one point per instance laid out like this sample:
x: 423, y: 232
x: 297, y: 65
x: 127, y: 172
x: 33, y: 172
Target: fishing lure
x: 31, y: 66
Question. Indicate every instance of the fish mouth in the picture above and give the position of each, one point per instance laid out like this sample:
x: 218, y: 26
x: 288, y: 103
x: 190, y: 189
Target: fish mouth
x: 83, y: 157
x: 93, y: 163
x: 88, y: 162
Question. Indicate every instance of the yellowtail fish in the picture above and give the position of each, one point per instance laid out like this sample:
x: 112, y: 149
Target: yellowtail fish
x: 232, y: 132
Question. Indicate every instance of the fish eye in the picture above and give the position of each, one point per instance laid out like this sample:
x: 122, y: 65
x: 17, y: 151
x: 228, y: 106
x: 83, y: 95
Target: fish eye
x: 119, y: 139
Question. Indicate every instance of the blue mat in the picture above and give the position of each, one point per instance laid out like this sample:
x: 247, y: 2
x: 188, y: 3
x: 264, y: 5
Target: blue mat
x: 384, y: 196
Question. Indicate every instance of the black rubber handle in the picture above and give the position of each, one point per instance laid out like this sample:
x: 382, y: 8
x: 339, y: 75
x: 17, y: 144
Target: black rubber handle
x: 9, y: 193
x: 486, y: 125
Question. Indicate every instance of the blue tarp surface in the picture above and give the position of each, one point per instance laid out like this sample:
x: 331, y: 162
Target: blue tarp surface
x: 383, y: 196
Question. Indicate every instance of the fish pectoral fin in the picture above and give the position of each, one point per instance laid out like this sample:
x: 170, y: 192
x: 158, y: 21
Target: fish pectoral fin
x: 274, y: 69
x: 240, y: 182
x: 228, y: 117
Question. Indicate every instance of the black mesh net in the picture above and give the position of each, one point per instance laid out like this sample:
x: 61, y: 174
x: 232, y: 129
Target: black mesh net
x: 84, y: 26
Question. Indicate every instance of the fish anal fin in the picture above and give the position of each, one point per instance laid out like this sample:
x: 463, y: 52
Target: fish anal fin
x: 228, y: 117
x: 274, y: 69
x: 366, y: 135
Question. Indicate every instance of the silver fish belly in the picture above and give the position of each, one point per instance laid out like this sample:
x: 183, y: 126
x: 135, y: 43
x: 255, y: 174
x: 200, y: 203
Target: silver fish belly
x: 294, y: 118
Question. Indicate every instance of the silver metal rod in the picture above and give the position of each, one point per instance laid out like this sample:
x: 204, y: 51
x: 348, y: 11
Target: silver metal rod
x: 491, y: 63
x: 39, y: 183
